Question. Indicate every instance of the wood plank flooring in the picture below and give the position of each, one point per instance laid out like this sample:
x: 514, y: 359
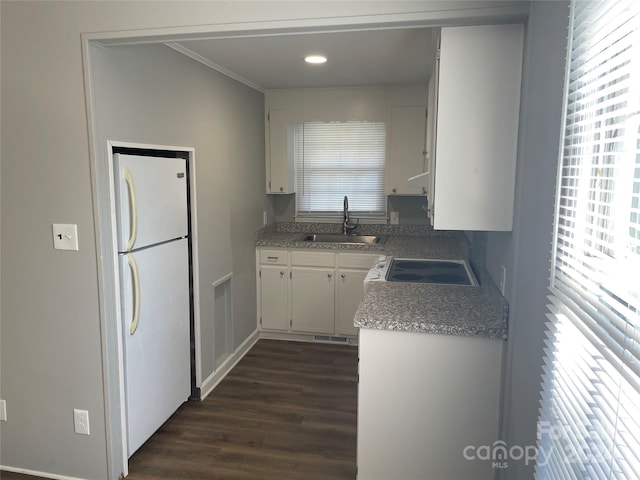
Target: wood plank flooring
x: 287, y: 411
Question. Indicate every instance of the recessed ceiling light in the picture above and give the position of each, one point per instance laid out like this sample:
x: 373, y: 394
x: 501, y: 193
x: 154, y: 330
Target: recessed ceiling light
x: 315, y: 59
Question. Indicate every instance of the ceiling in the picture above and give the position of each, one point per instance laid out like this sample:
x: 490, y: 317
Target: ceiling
x: 355, y: 58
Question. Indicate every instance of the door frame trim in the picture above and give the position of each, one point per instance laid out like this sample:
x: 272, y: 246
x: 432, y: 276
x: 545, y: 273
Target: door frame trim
x: 117, y: 460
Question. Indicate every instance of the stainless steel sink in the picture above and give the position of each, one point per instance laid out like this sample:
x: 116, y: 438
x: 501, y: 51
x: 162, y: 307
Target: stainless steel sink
x: 341, y: 238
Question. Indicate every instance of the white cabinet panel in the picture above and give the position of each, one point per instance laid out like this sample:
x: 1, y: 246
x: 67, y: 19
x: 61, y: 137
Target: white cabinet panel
x: 406, y: 148
x: 274, y: 297
x: 479, y: 80
x: 422, y: 399
x: 349, y: 293
x: 312, y: 299
x: 279, y: 165
x: 312, y: 259
x: 274, y: 257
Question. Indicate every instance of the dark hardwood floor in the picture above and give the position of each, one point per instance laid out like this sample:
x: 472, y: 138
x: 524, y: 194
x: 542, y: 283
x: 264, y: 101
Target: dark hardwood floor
x: 287, y: 411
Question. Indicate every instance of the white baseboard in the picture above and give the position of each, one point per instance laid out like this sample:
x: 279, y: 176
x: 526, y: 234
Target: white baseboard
x: 216, y: 377
x: 35, y: 473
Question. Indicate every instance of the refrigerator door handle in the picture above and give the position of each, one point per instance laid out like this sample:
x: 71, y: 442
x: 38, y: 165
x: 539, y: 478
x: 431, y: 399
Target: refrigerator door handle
x: 133, y: 209
x: 136, y: 293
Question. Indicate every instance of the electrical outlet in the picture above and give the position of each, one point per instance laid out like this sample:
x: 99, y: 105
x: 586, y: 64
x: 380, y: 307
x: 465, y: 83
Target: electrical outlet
x: 265, y: 218
x: 394, y: 218
x: 3, y: 410
x: 81, y: 421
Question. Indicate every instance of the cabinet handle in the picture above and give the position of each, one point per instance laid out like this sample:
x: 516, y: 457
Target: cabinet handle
x: 393, y: 190
x: 282, y: 189
x: 282, y: 274
x: 329, y: 275
x: 342, y: 275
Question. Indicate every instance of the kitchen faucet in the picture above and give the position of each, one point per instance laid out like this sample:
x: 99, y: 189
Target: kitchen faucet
x: 347, y: 227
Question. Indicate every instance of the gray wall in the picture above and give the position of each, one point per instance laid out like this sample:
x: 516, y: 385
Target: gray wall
x: 152, y: 94
x: 527, y: 251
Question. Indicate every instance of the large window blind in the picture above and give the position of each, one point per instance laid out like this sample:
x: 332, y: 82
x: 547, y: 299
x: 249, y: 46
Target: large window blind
x: 589, y: 425
x: 334, y: 159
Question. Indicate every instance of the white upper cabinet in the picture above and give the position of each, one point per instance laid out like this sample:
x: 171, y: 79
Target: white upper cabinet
x: 279, y: 153
x: 476, y: 128
x: 406, y: 149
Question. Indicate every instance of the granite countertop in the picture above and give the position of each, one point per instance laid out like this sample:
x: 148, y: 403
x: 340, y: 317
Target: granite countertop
x: 412, y: 307
x: 428, y: 308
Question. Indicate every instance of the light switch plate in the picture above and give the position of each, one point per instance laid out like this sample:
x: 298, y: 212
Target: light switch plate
x: 65, y: 236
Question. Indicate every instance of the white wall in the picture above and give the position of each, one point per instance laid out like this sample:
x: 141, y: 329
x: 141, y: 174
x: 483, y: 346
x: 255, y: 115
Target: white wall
x: 51, y: 359
x: 527, y: 251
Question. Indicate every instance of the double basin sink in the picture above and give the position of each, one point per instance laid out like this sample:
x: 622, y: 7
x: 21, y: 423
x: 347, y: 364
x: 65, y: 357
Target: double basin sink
x: 341, y: 238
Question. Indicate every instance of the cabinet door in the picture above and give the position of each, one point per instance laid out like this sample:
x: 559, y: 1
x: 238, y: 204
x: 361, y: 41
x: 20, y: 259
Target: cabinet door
x: 349, y: 292
x: 274, y: 297
x: 406, y: 148
x: 312, y: 299
x: 280, y: 169
x: 477, y: 127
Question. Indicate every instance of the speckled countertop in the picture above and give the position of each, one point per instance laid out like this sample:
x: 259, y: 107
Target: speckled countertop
x: 429, y: 308
x: 412, y: 307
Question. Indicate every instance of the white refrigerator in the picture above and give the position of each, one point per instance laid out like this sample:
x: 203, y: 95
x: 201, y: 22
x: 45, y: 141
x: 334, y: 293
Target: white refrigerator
x: 153, y: 257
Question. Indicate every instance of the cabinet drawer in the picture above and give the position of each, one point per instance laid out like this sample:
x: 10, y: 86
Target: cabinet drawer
x: 273, y: 257
x: 312, y: 259
x: 356, y: 260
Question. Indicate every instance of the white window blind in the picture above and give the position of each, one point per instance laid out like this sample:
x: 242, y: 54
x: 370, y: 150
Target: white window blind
x: 334, y: 159
x: 589, y: 425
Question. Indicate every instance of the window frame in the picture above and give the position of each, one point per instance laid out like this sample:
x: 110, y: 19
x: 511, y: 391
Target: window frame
x: 310, y: 135
x: 590, y: 397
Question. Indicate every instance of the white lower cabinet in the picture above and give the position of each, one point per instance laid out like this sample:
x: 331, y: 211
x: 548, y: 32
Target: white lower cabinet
x: 273, y: 288
x: 312, y: 297
x: 310, y: 292
x: 428, y: 406
x: 274, y: 298
x: 349, y: 291
x: 352, y: 269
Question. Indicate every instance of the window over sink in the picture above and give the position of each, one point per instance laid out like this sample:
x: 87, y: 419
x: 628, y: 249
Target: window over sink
x: 334, y: 159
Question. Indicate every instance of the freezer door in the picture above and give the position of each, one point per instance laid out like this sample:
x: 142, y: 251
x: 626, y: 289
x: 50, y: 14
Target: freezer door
x: 151, y: 200
x: 155, y: 289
